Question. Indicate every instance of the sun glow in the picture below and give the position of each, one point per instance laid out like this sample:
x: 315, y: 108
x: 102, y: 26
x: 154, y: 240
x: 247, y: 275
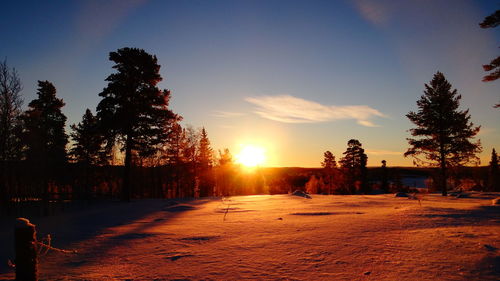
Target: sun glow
x: 251, y: 156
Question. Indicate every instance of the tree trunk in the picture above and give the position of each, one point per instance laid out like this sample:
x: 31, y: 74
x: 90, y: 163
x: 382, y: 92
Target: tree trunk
x: 443, y: 176
x: 126, y: 190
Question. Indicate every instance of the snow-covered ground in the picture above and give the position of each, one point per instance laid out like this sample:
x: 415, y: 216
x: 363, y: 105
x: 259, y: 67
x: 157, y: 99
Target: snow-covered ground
x: 274, y: 237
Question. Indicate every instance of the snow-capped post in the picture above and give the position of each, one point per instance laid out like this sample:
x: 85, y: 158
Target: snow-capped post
x: 26, y: 250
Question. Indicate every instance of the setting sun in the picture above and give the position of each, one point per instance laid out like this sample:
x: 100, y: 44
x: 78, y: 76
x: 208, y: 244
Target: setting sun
x: 251, y: 156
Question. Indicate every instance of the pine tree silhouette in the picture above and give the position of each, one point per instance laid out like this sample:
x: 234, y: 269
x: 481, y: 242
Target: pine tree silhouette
x: 443, y: 132
x: 354, y: 166
x: 44, y: 127
x: 133, y: 111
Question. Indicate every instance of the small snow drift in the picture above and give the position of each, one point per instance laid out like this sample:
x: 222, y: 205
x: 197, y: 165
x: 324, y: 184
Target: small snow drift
x: 463, y: 195
x: 400, y: 194
x: 301, y: 194
x: 490, y: 248
x: 178, y: 256
x: 495, y: 201
x: 179, y: 208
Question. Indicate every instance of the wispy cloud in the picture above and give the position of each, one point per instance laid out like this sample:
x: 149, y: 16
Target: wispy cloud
x: 226, y: 114
x: 289, y: 109
x: 376, y: 12
x: 97, y: 19
x: 383, y: 152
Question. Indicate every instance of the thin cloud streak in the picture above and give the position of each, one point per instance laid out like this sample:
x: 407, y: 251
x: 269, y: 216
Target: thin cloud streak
x: 226, y: 114
x: 289, y: 109
x: 383, y: 152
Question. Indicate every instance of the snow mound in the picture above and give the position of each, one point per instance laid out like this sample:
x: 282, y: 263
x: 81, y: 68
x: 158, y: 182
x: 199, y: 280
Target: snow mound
x: 301, y: 194
x: 495, y: 201
x: 490, y: 248
x: 400, y: 194
x: 23, y: 223
x: 463, y: 195
x: 179, y: 208
x: 179, y: 256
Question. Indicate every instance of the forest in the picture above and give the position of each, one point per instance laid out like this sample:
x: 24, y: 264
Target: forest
x: 135, y: 147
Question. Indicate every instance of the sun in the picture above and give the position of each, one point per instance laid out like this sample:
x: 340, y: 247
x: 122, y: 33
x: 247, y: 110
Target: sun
x: 251, y: 156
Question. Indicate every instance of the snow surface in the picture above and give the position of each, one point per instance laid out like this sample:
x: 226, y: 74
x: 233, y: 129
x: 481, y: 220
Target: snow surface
x: 273, y: 237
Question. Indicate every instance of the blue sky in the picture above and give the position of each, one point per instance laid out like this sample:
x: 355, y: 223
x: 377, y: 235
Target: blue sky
x: 296, y: 77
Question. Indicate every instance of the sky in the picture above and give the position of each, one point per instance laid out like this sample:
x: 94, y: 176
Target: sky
x: 296, y: 78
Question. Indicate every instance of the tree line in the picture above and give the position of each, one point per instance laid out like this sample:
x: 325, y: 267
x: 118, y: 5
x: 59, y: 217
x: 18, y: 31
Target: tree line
x: 132, y: 122
x: 132, y: 146
x: 443, y: 137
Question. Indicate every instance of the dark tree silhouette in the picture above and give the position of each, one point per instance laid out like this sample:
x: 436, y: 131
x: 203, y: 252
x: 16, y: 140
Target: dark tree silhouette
x: 384, y: 177
x: 225, y: 173
x: 225, y: 157
x: 205, y: 163
x: 329, y: 165
x: 329, y: 160
x: 133, y: 111
x: 45, y: 139
x: 44, y: 127
x: 10, y: 112
x: 494, y: 176
x: 354, y: 165
x: 190, y: 140
x: 205, y: 152
x: 88, y: 150
x: 88, y: 142
x: 174, y: 145
x: 443, y: 132
x: 492, y: 21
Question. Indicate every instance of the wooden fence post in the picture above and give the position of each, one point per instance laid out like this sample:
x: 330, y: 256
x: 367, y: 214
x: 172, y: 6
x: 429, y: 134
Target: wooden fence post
x: 26, y: 250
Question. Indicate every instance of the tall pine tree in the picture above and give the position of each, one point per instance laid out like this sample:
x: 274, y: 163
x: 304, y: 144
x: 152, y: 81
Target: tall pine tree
x: 88, y: 141
x: 354, y: 166
x: 384, y: 177
x: 328, y: 160
x: 205, y: 163
x: 329, y: 166
x: 443, y: 133
x: 494, y: 175
x: 205, y: 152
x: 44, y: 127
x: 225, y: 173
x: 133, y: 111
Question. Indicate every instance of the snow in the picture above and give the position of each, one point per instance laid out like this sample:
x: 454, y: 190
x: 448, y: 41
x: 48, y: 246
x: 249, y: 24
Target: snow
x: 273, y: 237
